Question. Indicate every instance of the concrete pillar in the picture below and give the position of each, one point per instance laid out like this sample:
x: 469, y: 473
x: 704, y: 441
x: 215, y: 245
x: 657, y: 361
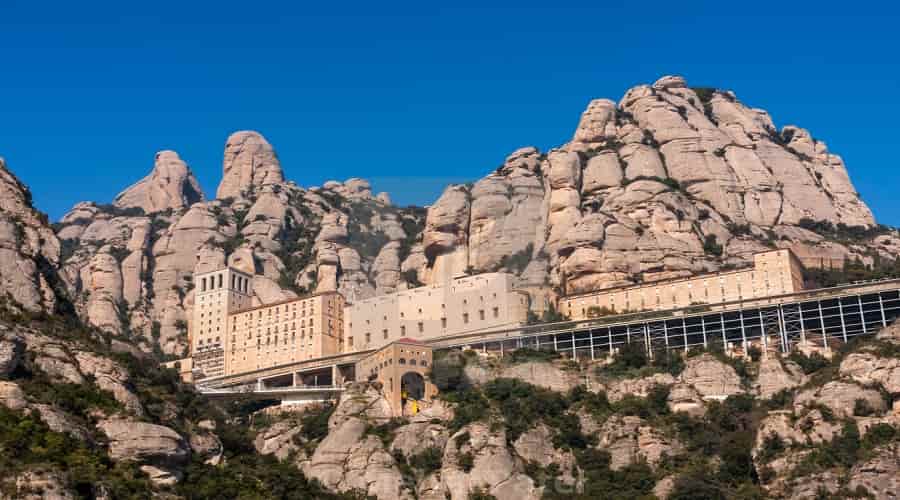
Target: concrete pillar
x: 335, y: 376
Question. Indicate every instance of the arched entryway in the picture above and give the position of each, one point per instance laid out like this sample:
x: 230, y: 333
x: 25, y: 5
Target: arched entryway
x: 412, y: 387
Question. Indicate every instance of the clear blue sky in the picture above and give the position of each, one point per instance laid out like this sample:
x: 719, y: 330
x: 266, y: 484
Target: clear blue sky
x: 413, y: 95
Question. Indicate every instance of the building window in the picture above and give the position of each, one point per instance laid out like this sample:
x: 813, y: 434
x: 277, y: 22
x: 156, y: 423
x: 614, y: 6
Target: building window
x: 481, y: 314
x: 385, y: 333
x: 401, y: 361
x: 466, y: 318
x: 368, y: 338
x: 496, y: 312
x: 421, y: 327
x: 403, y: 330
x: 443, y: 322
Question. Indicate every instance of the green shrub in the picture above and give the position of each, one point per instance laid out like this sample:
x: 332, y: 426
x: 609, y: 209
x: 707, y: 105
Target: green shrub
x: 466, y: 461
x: 518, y: 261
x: 862, y: 408
x: 631, y: 357
x: 314, y: 424
x: 471, y: 406
x: 26, y: 441
x: 772, y: 446
x: 428, y: 461
x: 525, y: 355
x: 385, y: 431
x: 809, y: 364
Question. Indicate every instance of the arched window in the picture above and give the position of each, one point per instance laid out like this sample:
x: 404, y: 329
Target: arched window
x: 402, y: 361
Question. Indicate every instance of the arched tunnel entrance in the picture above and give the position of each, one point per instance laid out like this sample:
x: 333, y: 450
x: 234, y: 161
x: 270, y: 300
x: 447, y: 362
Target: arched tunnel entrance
x: 412, y: 387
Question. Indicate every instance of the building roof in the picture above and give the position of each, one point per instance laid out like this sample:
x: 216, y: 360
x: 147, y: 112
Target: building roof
x: 407, y: 340
x: 282, y: 302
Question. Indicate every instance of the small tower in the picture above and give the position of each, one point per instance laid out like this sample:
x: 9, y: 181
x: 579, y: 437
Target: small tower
x: 217, y: 294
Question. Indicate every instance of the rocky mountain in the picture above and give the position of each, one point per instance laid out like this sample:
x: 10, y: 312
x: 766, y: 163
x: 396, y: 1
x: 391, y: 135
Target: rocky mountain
x: 669, y: 181
x: 86, y: 412
x: 29, y: 250
x: 128, y: 266
x: 83, y: 414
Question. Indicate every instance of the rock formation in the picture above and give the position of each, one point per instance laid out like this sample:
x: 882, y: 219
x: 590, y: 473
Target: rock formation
x: 250, y: 163
x: 668, y: 181
x: 171, y: 185
x: 29, y: 250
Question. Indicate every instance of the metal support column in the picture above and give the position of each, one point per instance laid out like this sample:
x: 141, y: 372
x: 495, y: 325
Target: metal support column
x: 724, y: 338
x: 555, y: 349
x: 743, y: 332
x: 703, y: 328
x: 609, y: 338
x: 802, y: 327
x: 862, y: 314
x: 763, y: 333
x: 783, y: 327
x: 647, y: 347
x: 841, y: 314
x: 574, y: 353
x: 591, y: 337
x: 822, y: 322
x: 684, y: 331
x: 881, y: 308
x: 666, y: 334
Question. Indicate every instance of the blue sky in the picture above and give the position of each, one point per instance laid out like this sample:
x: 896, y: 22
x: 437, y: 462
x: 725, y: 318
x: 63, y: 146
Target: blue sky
x: 413, y: 95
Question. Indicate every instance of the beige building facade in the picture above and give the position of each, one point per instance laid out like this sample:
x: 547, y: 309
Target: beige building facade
x: 216, y: 294
x: 284, y: 332
x: 402, y: 368
x: 462, y: 305
x: 774, y: 272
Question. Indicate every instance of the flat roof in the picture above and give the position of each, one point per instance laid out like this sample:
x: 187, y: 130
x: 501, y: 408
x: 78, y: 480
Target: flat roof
x: 282, y: 302
x: 748, y: 267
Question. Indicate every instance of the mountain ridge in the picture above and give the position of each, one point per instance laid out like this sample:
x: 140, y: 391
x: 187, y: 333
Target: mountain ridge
x: 667, y: 182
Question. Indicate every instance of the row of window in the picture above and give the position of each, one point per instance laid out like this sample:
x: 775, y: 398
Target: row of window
x: 217, y: 282
x: 420, y: 326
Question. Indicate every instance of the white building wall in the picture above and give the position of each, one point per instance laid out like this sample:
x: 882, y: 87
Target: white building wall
x: 469, y: 304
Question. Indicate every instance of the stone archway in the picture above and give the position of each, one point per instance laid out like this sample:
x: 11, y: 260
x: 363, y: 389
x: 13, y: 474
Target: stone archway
x: 412, y: 386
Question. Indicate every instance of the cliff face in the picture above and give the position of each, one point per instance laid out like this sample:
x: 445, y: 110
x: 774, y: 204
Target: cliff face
x: 128, y: 266
x: 29, y: 251
x: 667, y: 182
x: 639, y: 191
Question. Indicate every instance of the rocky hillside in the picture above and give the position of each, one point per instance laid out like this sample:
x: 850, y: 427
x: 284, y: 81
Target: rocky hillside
x: 533, y: 426
x: 84, y: 414
x: 128, y: 266
x: 669, y: 181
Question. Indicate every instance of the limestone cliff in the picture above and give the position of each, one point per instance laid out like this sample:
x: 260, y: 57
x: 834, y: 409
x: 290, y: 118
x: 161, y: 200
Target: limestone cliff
x: 171, y: 185
x: 29, y: 251
x: 129, y: 266
x: 669, y: 181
